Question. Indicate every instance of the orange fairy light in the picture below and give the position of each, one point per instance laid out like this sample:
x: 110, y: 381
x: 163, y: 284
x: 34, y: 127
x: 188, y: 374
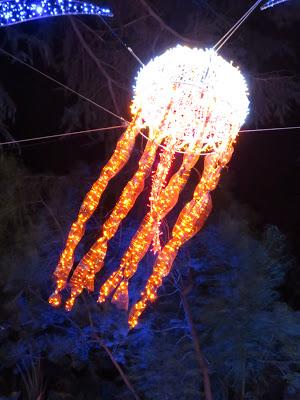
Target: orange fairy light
x: 190, y: 101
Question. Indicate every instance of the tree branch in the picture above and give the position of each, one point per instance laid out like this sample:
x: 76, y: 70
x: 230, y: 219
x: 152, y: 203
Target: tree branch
x: 113, y: 360
x: 199, y: 356
x: 98, y: 63
x: 164, y: 25
x: 117, y: 366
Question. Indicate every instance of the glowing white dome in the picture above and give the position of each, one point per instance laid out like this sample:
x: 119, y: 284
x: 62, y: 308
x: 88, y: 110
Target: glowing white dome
x: 193, y: 96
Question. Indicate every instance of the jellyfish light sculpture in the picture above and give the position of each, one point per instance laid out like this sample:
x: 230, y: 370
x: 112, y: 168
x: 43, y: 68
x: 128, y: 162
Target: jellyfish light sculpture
x: 190, y: 101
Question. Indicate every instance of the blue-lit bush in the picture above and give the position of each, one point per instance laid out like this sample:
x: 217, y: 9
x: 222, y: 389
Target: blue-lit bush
x: 248, y: 336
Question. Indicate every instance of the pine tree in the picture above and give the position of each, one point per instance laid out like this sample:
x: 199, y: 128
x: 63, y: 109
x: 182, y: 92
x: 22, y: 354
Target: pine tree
x: 248, y: 336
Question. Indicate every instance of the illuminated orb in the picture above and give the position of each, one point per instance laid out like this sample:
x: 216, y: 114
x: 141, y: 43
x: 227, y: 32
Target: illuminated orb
x: 194, y: 95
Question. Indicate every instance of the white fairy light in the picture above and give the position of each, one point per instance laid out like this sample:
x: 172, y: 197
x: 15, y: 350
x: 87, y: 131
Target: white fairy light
x: 192, y: 96
x: 18, y: 11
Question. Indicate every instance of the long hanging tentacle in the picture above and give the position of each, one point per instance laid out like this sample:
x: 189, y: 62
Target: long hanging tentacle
x: 200, y: 211
x: 189, y: 222
x: 158, y: 184
x: 144, y: 236
x: 89, y: 205
x: 92, y: 262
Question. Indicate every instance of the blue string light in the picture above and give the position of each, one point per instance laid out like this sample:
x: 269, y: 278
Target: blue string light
x: 17, y: 11
x: 272, y: 3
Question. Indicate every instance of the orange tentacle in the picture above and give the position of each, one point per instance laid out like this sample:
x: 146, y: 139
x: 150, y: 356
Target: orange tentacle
x: 92, y: 262
x: 144, y: 236
x: 89, y: 205
x: 189, y: 222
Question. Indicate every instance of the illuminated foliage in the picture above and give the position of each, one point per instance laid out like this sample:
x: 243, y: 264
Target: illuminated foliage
x: 235, y: 277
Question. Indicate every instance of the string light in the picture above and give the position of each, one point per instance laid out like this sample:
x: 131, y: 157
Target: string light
x: 17, y: 11
x: 188, y: 100
x: 89, y: 205
x: 272, y: 3
x: 195, y: 102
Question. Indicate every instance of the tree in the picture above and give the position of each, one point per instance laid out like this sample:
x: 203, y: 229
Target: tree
x: 229, y: 275
x: 38, y: 343
x: 248, y: 337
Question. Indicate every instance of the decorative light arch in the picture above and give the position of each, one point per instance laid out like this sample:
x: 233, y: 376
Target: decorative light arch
x: 18, y: 11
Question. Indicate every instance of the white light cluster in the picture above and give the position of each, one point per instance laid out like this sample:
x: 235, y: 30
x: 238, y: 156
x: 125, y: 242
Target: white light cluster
x: 272, y: 3
x: 193, y: 96
x: 17, y: 11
